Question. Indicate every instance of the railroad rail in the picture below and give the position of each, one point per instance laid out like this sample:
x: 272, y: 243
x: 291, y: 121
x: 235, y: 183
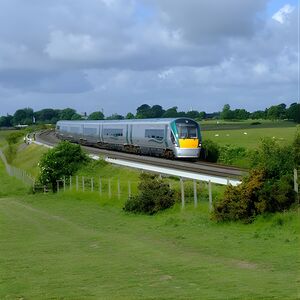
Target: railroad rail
x: 228, y: 172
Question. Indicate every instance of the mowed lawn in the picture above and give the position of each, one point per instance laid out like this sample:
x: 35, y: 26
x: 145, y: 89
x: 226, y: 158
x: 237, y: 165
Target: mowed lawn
x: 250, y: 138
x: 81, y: 246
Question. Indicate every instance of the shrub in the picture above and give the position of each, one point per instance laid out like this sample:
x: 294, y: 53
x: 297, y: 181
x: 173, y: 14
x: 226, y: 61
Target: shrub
x: 229, y: 153
x: 63, y: 160
x: 154, y: 195
x: 268, y: 188
x: 210, y: 151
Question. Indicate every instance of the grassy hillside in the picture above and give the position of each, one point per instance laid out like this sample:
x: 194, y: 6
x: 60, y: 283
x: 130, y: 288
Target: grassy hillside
x: 83, y: 247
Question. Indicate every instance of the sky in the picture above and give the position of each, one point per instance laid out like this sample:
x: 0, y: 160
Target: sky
x: 115, y: 55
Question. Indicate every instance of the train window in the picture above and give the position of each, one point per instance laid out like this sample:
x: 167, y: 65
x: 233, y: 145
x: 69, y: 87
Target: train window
x: 57, y: 127
x: 90, y: 131
x: 75, y: 129
x: 154, y: 134
x: 112, y: 132
x: 64, y: 128
x: 186, y: 132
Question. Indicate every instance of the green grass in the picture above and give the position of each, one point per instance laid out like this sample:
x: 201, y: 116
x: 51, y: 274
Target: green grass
x: 252, y: 138
x: 78, y: 246
x: 9, y: 185
x: 83, y: 246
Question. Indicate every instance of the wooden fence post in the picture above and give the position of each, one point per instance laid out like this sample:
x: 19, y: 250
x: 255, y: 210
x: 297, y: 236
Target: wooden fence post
x: 296, y: 188
x: 210, y: 195
x: 109, y: 188
x: 129, y: 189
x: 195, y: 194
x: 100, y: 186
x: 119, y: 189
x: 182, y: 193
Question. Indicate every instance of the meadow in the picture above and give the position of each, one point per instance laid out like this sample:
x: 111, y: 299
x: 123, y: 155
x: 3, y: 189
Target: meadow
x: 75, y: 245
x: 83, y: 246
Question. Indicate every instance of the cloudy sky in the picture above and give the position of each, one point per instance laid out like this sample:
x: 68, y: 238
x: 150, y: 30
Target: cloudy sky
x: 118, y: 54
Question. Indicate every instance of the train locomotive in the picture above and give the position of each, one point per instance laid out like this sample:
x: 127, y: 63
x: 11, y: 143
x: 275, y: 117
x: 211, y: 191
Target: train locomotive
x: 170, y: 138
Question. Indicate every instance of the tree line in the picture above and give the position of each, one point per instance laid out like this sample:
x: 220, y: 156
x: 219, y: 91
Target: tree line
x: 27, y: 116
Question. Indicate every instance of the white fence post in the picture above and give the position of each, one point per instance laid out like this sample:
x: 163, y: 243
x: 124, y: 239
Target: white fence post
x: 210, y: 195
x: 77, y: 184
x: 296, y: 188
x: 182, y: 193
x: 83, y: 183
x: 100, y: 186
x: 109, y: 188
x: 92, y: 184
x: 129, y: 189
x: 195, y: 194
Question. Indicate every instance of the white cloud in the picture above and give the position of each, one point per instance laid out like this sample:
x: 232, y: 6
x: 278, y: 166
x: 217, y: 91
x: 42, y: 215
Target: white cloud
x: 282, y: 15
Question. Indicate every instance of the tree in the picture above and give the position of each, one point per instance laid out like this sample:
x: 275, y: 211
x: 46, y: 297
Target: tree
x: 47, y: 115
x: 76, y: 116
x: 129, y: 116
x: 115, y: 117
x: 193, y: 114
x: 23, y: 116
x: 241, y: 114
x: 277, y: 112
x: 143, y: 111
x: 6, y: 121
x: 259, y: 114
x: 156, y: 111
x: 97, y: 115
x: 67, y: 114
x: 63, y: 160
x: 171, y: 112
x: 293, y: 112
x: 226, y: 113
x: 202, y: 115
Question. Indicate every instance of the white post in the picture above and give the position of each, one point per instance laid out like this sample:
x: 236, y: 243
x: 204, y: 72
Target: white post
x: 182, y: 193
x: 92, y: 184
x: 57, y: 183
x: 77, y: 184
x: 296, y: 188
x: 100, y: 186
x: 83, y: 183
x: 119, y: 189
x: 64, y: 183
x: 210, y: 195
x: 109, y: 188
x: 129, y: 189
x: 195, y: 194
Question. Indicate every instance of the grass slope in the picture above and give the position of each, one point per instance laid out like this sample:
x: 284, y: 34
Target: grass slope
x: 76, y: 246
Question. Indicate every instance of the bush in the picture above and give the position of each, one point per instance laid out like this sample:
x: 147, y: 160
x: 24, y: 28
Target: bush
x: 268, y: 188
x: 154, y: 195
x: 229, y: 153
x: 210, y: 151
x: 63, y: 160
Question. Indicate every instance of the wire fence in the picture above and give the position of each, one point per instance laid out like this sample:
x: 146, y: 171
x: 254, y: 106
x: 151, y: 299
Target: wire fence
x: 16, y: 172
x: 185, y: 190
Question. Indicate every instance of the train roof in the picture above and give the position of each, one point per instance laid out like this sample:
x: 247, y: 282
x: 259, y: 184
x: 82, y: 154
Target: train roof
x: 148, y: 121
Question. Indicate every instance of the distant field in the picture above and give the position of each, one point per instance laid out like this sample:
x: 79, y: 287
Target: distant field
x: 250, y: 138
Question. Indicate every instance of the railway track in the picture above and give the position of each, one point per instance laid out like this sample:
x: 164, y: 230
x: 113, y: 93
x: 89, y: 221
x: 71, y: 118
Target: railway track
x: 199, y: 167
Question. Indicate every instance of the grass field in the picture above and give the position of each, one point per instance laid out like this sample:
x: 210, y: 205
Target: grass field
x: 78, y: 246
x: 251, y: 139
x: 83, y: 246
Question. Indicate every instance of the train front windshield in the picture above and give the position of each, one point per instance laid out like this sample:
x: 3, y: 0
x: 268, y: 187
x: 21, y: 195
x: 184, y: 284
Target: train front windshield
x: 187, y: 131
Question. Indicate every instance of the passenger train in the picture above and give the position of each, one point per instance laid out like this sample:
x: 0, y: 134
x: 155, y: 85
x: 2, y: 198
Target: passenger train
x: 170, y: 138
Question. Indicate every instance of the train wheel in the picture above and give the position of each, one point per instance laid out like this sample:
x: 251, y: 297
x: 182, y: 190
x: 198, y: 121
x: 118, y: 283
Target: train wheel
x: 169, y: 154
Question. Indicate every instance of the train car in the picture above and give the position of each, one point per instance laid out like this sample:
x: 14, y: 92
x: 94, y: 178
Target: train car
x: 170, y: 138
